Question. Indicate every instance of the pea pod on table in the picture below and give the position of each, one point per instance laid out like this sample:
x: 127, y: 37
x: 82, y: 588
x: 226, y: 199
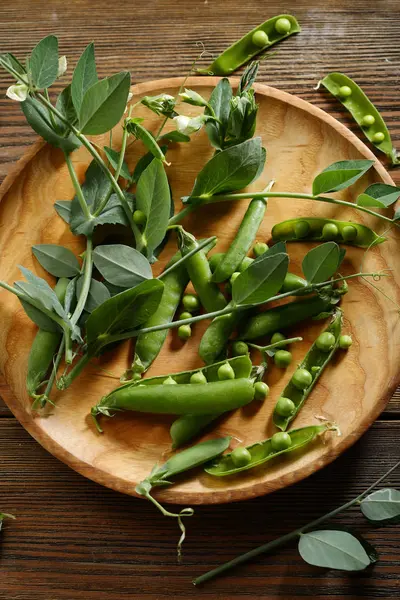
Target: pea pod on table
x: 262, y: 37
x: 311, y: 368
x: 363, y: 111
x: 261, y: 452
x: 318, y: 229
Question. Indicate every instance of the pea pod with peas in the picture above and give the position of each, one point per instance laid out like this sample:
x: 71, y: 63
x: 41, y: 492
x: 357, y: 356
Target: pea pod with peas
x: 308, y: 372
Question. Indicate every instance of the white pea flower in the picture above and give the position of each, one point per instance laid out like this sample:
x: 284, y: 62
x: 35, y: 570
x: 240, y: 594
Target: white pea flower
x: 62, y: 66
x: 130, y: 96
x: 187, y: 125
x: 18, y: 92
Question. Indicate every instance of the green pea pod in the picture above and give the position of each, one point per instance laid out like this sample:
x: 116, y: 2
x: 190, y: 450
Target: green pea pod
x: 200, y: 275
x: 245, y: 49
x: 187, y: 427
x: 243, y: 240
x: 148, y: 345
x: 314, y: 358
x: 350, y: 233
x: 284, y: 316
x: 215, y: 259
x: 360, y: 107
x: 43, y: 348
x: 261, y: 452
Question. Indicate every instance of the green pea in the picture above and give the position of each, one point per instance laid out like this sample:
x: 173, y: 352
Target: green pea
x: 281, y: 441
x: 345, y: 91
x: 260, y: 39
x: 185, y: 315
x: 261, y: 391
x: 349, y: 233
x: 260, y: 248
x: 191, y: 302
x: 184, y: 332
x: 198, y: 378
x: 169, y: 381
x: 277, y: 337
x: 315, y: 370
x: 345, y: 342
x: 226, y: 372
x: 285, y: 407
x: 325, y: 341
x: 368, y: 120
x: 246, y: 262
x: 330, y: 231
x: 136, y: 377
x: 240, y: 349
x: 240, y: 456
x: 379, y: 136
x: 234, y: 276
x: 301, y: 229
x: 282, y: 359
x: 302, y: 379
x: 139, y: 218
x: 283, y: 25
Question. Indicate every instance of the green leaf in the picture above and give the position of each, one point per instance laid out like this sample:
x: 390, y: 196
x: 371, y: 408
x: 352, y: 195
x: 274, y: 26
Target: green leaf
x: 382, y: 506
x: 39, y: 318
x: 122, y: 312
x: 379, y: 195
x: 43, y: 63
x: 113, y: 157
x: 262, y: 279
x: 65, y: 106
x: 122, y: 265
x: 38, y: 289
x: 242, y: 118
x: 340, y: 175
x: 85, y: 75
x: 104, y: 103
x: 333, y: 550
x: 141, y: 133
x: 220, y: 102
x: 98, y: 293
x: 153, y: 198
x: 38, y: 118
x: 229, y: 170
x: 63, y: 209
x: 248, y: 78
x: 113, y: 214
x: 13, y: 62
x: 174, y: 136
x: 57, y: 260
x: 320, y: 263
x: 144, y: 162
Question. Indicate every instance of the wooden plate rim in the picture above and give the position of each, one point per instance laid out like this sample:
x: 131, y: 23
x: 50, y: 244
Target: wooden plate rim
x: 216, y: 496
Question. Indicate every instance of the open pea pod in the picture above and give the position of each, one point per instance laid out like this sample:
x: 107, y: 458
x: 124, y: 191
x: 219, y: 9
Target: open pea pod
x: 258, y: 39
x: 261, y: 452
x: 366, y: 115
x: 312, y: 229
x: 314, y: 362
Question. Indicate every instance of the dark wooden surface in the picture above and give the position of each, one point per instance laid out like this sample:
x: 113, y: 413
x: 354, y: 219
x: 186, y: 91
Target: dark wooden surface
x: 74, y: 539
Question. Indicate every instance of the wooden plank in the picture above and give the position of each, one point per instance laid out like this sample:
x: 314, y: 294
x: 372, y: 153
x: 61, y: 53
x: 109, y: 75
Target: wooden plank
x: 75, y: 540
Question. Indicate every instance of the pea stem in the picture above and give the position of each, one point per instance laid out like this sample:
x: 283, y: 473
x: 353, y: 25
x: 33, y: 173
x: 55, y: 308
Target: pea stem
x: 280, y: 344
x: 50, y: 383
x: 87, y: 276
x: 266, y: 548
x: 182, y: 214
x: 77, y: 187
x: 179, y: 262
x: 66, y: 380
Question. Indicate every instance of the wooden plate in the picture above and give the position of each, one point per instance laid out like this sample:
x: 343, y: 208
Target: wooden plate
x: 301, y: 140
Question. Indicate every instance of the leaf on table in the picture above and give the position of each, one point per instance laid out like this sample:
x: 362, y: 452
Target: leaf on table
x: 85, y: 75
x: 98, y: 293
x: 39, y: 318
x: 379, y: 195
x: 144, y: 162
x: 333, y: 549
x: 382, y: 506
x: 65, y: 106
x: 114, y: 156
x: 174, y: 137
x: 38, y: 289
x: 340, y: 175
x: 122, y: 265
x: 320, y: 263
x: 63, y: 209
x: 43, y: 62
x: 57, y: 260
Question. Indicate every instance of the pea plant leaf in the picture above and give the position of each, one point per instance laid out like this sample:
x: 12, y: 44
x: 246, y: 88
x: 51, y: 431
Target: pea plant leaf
x: 57, y: 260
x: 153, y: 198
x: 65, y: 106
x: 340, y: 175
x: 39, y: 318
x: 113, y: 156
x: 320, y: 263
x: 63, y: 209
x: 104, y: 103
x: 98, y: 293
x: 382, y: 506
x: 13, y: 62
x: 333, y: 549
x: 43, y: 63
x: 122, y: 265
x: 229, y: 170
x: 262, y: 279
x: 379, y: 195
x: 220, y: 103
x: 38, y: 289
x: 135, y: 128
x: 174, y: 137
x: 144, y: 162
x: 122, y: 312
x: 85, y: 75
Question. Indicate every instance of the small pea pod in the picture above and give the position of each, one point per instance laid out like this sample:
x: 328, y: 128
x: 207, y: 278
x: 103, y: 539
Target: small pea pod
x: 243, y: 240
x: 315, y: 230
x: 363, y: 111
x: 265, y: 35
x: 200, y: 274
x: 262, y: 452
x: 43, y: 348
x: 187, y: 427
x: 313, y: 365
x: 148, y: 345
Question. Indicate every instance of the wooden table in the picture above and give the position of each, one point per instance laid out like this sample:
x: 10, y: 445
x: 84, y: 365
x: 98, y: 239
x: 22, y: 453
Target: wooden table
x: 76, y: 540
